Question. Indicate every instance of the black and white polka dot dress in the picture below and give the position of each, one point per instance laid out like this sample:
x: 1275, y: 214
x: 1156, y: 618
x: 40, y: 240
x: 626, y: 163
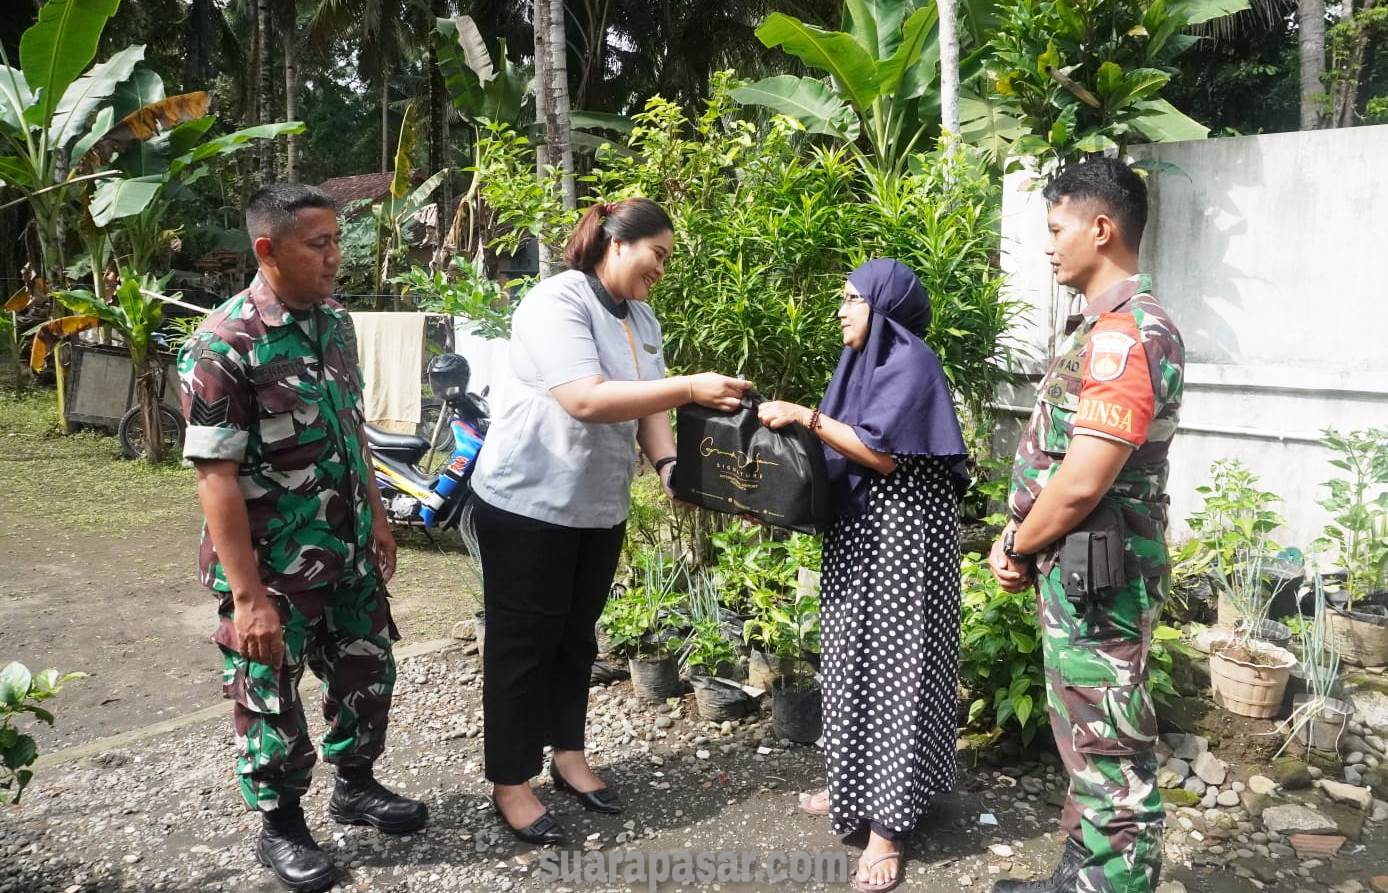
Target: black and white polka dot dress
x: 889, y: 603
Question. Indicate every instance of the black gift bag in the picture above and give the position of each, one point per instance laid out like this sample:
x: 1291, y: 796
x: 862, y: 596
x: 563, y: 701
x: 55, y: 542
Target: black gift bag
x: 731, y: 462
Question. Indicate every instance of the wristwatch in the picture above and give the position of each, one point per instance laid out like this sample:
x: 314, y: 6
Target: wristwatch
x: 1009, y: 549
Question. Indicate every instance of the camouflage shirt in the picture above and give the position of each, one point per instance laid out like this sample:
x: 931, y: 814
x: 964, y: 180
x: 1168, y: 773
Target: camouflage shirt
x: 1119, y: 376
x: 280, y: 393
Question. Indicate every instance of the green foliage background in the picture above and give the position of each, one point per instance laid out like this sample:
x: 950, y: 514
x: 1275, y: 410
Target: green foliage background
x: 768, y: 226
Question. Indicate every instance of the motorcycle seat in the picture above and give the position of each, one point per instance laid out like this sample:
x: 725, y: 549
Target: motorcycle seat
x: 407, y: 448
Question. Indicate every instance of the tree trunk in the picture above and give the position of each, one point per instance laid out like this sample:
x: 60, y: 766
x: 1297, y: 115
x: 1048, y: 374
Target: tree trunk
x: 265, y: 84
x: 1350, y: 65
x: 438, y: 144
x: 540, y: 16
x: 1311, y: 44
x: 148, y: 398
x: 557, y: 124
x: 949, y: 68
x: 291, y: 106
x: 385, y: 121
x: 596, y: 47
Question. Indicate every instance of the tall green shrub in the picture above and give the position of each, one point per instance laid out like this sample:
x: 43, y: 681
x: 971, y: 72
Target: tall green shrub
x: 769, y: 225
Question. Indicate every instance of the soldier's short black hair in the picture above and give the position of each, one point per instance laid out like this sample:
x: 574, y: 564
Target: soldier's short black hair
x: 272, y: 207
x: 1112, y: 184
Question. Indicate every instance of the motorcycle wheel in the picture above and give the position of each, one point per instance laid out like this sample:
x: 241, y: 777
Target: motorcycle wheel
x: 131, y: 433
x: 467, y: 529
x: 433, y: 427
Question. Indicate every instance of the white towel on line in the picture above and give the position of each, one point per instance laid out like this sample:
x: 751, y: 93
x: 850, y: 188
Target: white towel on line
x: 390, y: 349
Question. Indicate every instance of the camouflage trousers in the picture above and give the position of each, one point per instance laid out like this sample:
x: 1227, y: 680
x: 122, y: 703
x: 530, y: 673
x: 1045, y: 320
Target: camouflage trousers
x: 1105, y: 729
x: 343, y: 633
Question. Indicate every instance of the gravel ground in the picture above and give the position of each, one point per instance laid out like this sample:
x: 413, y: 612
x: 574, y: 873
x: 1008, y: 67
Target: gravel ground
x: 163, y: 815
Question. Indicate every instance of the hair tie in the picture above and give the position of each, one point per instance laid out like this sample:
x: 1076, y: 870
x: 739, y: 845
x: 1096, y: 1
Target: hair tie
x: 608, y: 209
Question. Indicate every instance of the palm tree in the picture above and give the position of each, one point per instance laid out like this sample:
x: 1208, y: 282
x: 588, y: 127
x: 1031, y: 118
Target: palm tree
x: 949, y: 68
x: 381, y: 30
x: 264, y: 80
x: 552, y: 92
x: 1311, y: 44
x: 288, y: 23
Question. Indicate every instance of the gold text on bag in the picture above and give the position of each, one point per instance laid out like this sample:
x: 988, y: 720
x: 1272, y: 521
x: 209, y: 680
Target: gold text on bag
x: 736, y: 467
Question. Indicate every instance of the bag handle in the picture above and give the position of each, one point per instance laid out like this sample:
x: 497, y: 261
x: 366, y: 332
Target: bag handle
x: 751, y: 400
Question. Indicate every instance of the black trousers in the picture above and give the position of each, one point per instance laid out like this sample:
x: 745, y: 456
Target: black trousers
x: 544, y: 589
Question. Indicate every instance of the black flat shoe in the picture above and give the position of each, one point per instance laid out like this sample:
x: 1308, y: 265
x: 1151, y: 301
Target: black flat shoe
x: 544, y: 831
x: 603, y: 800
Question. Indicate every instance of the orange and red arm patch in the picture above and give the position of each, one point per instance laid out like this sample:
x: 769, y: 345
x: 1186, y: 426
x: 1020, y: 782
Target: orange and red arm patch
x: 1116, y: 398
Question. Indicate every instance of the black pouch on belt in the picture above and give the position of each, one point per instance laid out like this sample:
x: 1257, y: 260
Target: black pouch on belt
x: 1091, y: 557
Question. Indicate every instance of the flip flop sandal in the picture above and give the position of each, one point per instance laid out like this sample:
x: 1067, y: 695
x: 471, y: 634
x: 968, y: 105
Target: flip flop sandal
x: 869, y: 886
x: 807, y: 805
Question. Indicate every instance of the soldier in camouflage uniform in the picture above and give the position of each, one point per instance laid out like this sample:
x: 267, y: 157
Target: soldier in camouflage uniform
x: 296, y: 543
x: 1094, y: 457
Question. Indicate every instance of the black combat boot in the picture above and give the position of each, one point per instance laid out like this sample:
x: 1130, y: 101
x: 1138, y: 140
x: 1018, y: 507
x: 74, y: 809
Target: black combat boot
x: 286, y: 848
x: 359, y: 799
x: 1062, y: 881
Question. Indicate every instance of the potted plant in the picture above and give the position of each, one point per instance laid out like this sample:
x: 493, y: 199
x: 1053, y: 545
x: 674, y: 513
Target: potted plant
x: 1248, y: 675
x: 787, y: 626
x: 754, y: 566
x: 709, y: 656
x: 642, y: 625
x: 1318, y: 718
x: 1236, y: 513
x: 1358, y: 506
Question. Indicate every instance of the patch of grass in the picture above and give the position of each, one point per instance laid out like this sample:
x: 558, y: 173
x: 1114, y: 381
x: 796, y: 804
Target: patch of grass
x: 82, y: 479
x: 81, y: 485
x: 436, y: 584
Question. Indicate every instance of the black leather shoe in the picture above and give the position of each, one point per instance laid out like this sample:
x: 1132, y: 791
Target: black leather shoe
x: 544, y: 831
x: 286, y: 848
x: 603, y: 800
x: 1061, y: 881
x: 362, y: 800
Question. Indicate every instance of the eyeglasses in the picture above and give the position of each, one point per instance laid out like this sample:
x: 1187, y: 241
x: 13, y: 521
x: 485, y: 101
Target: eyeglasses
x: 852, y: 300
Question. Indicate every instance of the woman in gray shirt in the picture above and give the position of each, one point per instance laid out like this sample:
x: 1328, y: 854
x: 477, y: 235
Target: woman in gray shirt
x: 553, y: 483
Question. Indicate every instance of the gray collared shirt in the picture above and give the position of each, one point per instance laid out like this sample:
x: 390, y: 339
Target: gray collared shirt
x: 539, y: 461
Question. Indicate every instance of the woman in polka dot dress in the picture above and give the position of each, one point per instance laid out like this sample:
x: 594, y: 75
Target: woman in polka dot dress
x: 889, y: 594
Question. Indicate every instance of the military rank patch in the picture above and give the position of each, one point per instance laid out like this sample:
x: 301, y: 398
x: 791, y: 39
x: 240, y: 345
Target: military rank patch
x: 1108, y: 354
x: 203, y: 414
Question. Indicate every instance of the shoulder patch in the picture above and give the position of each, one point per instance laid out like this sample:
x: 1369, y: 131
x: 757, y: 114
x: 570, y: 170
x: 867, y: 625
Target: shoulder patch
x: 1108, y: 354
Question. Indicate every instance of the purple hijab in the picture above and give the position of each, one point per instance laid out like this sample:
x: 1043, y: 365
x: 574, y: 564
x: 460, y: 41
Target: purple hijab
x: 893, y: 391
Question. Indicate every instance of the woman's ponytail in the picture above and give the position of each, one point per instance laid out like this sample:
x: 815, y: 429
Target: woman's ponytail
x: 588, y: 242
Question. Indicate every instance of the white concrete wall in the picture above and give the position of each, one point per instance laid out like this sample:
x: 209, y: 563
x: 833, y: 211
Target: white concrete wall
x: 1271, y: 253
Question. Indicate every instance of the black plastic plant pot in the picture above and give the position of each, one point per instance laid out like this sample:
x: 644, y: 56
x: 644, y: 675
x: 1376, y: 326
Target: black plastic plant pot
x: 719, y: 700
x: 797, y: 711
x: 655, y: 679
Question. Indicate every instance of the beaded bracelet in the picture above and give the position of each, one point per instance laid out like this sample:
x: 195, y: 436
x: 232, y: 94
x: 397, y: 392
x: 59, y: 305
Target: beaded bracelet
x: 814, y: 419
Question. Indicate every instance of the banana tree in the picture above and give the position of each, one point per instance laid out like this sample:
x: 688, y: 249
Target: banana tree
x: 1071, y: 78
x: 393, y: 214
x: 883, y: 68
x: 486, y: 91
x: 52, y: 113
x: 160, y: 148
x: 480, y: 88
x: 134, y: 314
x: 880, y: 68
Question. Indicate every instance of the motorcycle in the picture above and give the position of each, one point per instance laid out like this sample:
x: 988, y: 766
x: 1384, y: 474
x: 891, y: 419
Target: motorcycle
x: 415, y: 497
